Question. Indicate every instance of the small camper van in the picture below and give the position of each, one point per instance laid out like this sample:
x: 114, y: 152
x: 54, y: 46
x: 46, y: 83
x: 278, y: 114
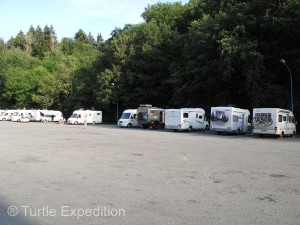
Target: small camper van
x: 149, y: 116
x: 229, y: 120
x: 185, y: 119
x: 273, y: 121
x: 92, y: 117
x: 7, y: 115
x: 20, y: 114
x: 128, y: 118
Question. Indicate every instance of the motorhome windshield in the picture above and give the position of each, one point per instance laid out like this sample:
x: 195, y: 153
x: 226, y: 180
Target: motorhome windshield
x: 74, y: 115
x: 125, y: 116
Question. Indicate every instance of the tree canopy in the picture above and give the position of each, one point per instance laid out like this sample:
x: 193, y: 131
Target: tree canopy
x: 202, y: 54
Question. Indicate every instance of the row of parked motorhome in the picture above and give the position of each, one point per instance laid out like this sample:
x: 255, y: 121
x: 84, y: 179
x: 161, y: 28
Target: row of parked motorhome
x: 264, y: 121
x: 26, y: 115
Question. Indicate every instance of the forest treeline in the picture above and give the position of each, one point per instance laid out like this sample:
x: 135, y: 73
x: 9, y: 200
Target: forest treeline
x: 201, y: 54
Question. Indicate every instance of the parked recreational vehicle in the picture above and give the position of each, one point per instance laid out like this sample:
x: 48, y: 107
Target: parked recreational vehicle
x: 92, y: 117
x: 273, y: 121
x: 229, y: 120
x: 149, y: 116
x: 45, y: 115
x: 185, y: 119
x: 20, y: 114
x: 128, y: 118
x: 7, y: 115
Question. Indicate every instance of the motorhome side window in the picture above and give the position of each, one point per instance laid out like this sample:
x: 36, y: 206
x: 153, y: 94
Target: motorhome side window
x: 280, y: 118
x: 291, y: 119
x: 200, y: 117
x: 151, y: 111
x: 185, y: 115
x: 98, y: 114
x: 196, y: 115
x: 235, y: 118
x: 284, y: 118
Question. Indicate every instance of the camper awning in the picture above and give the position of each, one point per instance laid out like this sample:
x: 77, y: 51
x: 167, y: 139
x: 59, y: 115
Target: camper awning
x: 49, y: 113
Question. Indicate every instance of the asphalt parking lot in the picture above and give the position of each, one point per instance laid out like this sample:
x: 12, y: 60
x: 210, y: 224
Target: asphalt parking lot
x: 64, y: 174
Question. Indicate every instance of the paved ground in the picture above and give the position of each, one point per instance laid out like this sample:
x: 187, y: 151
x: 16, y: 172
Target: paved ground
x: 62, y: 174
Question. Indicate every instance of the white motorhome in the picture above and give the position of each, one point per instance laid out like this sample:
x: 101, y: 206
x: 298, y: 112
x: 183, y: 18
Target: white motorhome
x: 273, y: 121
x: 185, y: 119
x: 229, y: 120
x: 128, y: 118
x: 45, y: 115
x: 7, y: 115
x: 92, y: 117
x: 20, y: 114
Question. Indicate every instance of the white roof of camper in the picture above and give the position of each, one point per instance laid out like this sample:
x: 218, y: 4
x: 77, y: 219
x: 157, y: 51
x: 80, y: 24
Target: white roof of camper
x: 188, y: 109
x: 50, y: 112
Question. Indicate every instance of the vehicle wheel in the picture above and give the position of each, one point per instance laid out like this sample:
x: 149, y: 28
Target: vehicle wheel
x: 294, y: 134
x: 18, y: 120
x: 129, y: 125
x: 239, y: 132
x: 281, y: 135
x: 3, y: 119
x: 93, y: 123
x: 75, y: 122
x: 261, y: 135
x: 218, y: 132
x: 190, y: 129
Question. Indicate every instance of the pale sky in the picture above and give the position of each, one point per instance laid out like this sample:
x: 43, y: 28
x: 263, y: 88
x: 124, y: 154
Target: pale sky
x: 68, y: 16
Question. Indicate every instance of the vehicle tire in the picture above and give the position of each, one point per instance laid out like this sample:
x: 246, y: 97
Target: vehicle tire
x: 18, y: 120
x: 75, y: 122
x: 155, y: 125
x: 218, y: 132
x: 129, y: 125
x: 261, y: 135
x: 3, y: 119
x: 294, y: 134
x: 190, y: 129
x: 281, y: 135
x: 239, y: 131
x: 93, y: 123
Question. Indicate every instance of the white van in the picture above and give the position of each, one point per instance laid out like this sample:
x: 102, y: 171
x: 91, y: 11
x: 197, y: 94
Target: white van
x: 229, y: 120
x: 20, y: 114
x: 7, y: 115
x: 185, y: 119
x: 92, y: 117
x: 273, y: 121
x: 128, y: 118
